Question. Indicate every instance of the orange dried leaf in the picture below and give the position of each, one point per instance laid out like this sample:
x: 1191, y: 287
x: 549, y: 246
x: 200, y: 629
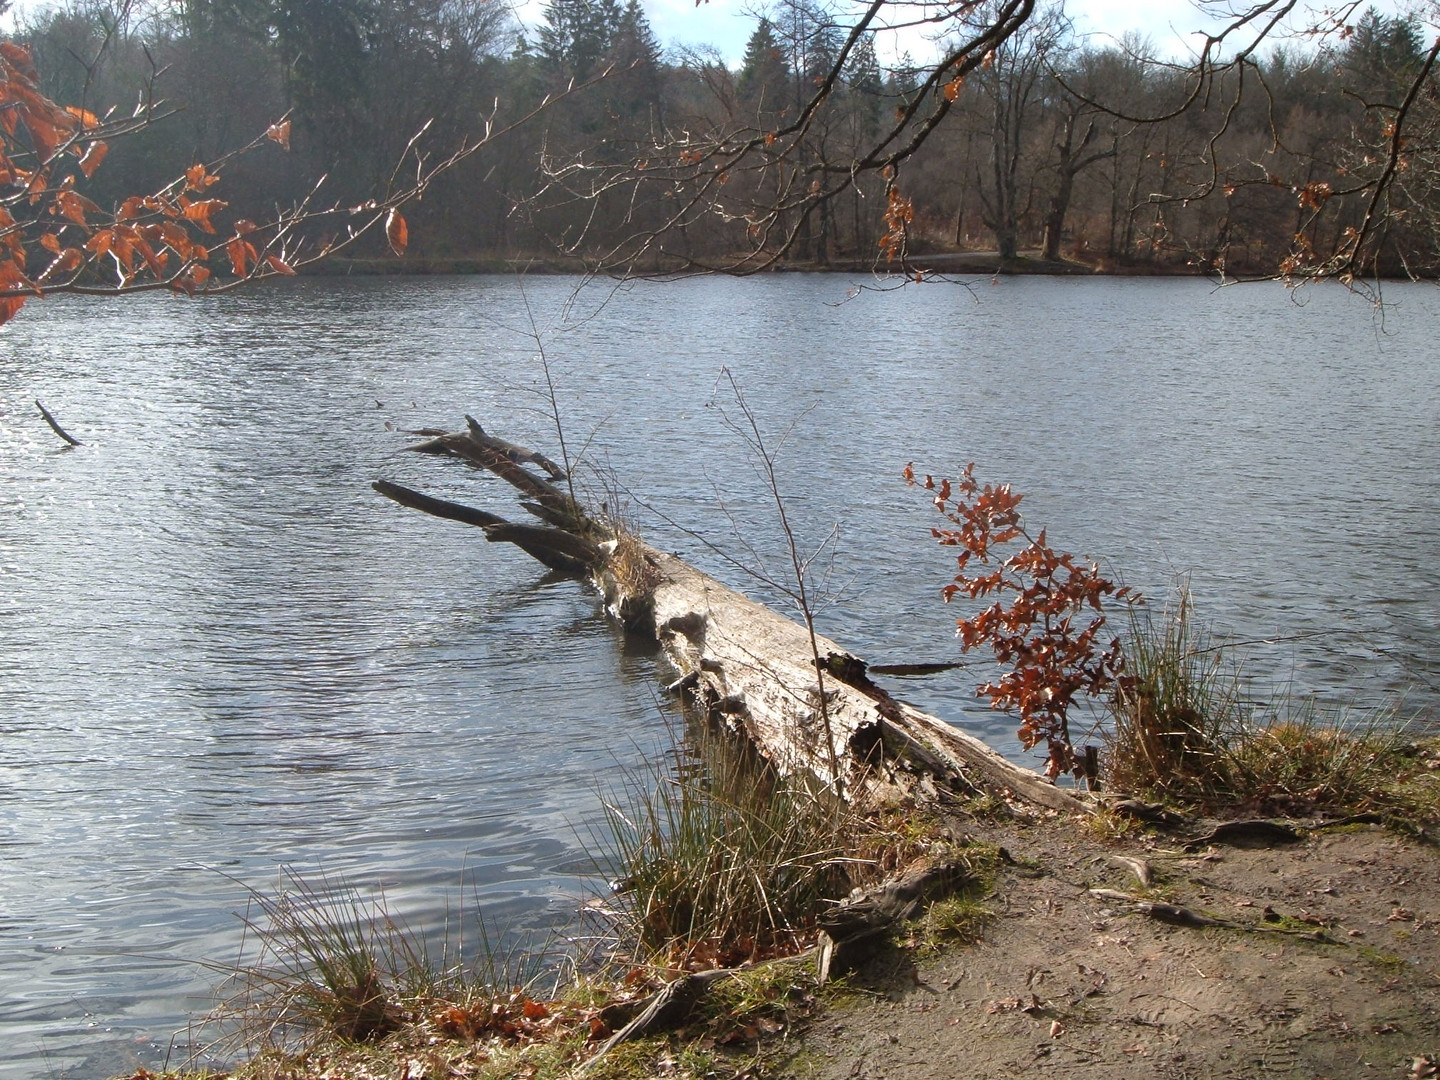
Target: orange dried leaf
x: 397, y: 232
x: 93, y: 156
x: 279, y: 133
x: 9, y: 305
x: 123, y: 249
x: 50, y: 242
x: 242, y: 256
x: 174, y: 235
x: 62, y: 263
x: 200, y: 210
x: 73, y: 206
x: 279, y: 265
x: 1314, y: 194
x: 85, y: 116
x: 19, y: 56
x: 46, y: 135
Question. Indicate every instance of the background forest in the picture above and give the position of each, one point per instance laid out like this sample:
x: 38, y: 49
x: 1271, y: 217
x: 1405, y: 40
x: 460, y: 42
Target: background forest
x: 1053, y: 144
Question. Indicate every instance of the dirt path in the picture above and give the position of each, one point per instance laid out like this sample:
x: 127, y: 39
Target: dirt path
x: 1086, y: 986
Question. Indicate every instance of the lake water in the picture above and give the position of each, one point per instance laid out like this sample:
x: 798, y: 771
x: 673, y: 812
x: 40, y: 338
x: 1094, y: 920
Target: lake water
x: 222, y: 654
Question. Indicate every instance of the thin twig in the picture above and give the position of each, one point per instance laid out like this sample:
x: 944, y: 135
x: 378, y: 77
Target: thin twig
x: 756, y: 442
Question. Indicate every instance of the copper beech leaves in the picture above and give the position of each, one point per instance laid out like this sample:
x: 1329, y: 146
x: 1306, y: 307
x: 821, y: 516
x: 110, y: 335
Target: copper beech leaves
x: 48, y: 152
x: 899, y: 213
x: 92, y: 157
x: 1046, y: 616
x: 198, y: 178
x: 397, y: 232
x: 516, y: 1018
x: 200, y: 210
x: 1314, y: 194
x: 242, y: 256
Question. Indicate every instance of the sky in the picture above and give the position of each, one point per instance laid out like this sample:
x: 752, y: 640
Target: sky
x: 726, y: 24
x: 1171, y: 25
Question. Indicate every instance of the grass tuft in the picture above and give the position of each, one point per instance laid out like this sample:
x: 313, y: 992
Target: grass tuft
x: 1182, y: 730
x: 954, y: 920
x: 720, y: 861
x: 1312, y: 763
x: 324, y: 963
x: 1176, y: 711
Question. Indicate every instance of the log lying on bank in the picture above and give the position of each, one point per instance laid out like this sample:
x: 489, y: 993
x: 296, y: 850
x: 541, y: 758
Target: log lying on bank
x: 805, y: 703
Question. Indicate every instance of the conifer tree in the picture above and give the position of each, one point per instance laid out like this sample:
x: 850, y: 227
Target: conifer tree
x: 763, y: 73
x: 576, y: 36
x: 636, y: 54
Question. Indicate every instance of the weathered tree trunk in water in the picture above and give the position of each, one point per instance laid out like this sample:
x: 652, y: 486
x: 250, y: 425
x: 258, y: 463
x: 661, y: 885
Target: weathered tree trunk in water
x: 749, y: 667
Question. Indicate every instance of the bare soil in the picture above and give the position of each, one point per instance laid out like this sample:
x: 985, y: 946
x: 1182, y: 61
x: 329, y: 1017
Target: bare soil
x: 1332, y: 968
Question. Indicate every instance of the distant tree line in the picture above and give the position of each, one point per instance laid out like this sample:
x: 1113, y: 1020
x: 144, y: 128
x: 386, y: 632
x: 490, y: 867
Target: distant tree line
x: 812, y: 151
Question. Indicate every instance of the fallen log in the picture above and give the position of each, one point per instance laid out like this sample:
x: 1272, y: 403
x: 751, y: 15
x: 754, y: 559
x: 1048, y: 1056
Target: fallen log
x: 747, y: 666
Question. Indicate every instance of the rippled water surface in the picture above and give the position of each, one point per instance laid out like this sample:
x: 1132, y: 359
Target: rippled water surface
x: 221, y: 653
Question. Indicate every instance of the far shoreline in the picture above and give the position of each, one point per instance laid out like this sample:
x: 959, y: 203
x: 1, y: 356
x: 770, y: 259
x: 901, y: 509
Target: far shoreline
x: 938, y: 264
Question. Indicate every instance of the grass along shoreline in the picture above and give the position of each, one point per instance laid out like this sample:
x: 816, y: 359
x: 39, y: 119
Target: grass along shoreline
x: 727, y: 876
x: 341, y: 990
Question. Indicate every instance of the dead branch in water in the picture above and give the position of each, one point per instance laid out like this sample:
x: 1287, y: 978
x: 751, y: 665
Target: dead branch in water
x: 55, y: 425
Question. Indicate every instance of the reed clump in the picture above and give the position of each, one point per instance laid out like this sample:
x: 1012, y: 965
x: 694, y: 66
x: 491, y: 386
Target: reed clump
x: 1183, y: 729
x: 1177, y: 710
x: 324, y: 960
x: 719, y: 860
x: 325, y: 969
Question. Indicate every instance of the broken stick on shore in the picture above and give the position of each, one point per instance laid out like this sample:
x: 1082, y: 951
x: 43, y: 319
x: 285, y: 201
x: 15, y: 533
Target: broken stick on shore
x: 747, y: 666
